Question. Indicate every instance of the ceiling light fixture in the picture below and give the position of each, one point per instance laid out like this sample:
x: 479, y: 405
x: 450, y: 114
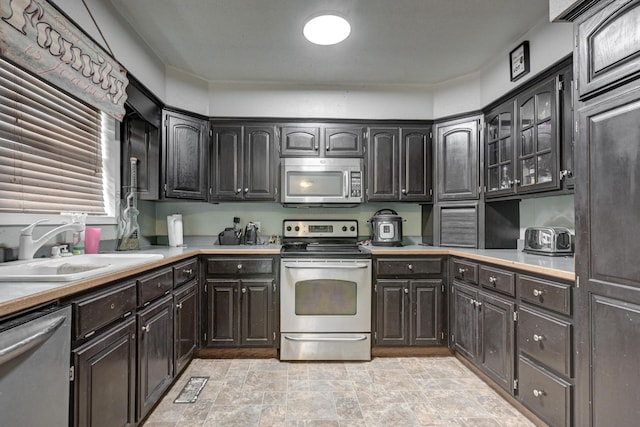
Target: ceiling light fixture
x: 326, y: 29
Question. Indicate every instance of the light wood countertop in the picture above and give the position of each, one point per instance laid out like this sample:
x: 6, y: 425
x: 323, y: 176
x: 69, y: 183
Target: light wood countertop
x: 16, y: 297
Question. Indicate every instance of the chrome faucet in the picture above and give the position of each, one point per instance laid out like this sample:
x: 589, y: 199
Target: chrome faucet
x: 28, y: 246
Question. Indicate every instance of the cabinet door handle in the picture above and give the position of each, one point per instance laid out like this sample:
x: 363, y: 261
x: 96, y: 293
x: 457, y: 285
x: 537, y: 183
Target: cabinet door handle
x: 179, y: 306
x: 538, y: 338
x: 146, y: 328
x: 537, y: 292
x: 493, y: 280
x: 188, y: 272
x: 538, y: 393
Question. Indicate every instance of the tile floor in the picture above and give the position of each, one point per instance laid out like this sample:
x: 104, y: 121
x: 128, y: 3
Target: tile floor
x: 386, y: 392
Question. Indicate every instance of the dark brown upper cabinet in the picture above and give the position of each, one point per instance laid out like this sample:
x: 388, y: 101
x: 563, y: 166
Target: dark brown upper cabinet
x: 608, y: 48
x: 528, y: 139
x: 538, y: 148
x: 500, y: 164
x: 458, y: 148
x: 141, y: 139
x: 322, y: 141
x: 185, y: 156
x: 382, y: 171
x: 244, y: 163
x: 399, y: 164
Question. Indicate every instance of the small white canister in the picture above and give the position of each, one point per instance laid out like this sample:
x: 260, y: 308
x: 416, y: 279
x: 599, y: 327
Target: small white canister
x: 174, y: 229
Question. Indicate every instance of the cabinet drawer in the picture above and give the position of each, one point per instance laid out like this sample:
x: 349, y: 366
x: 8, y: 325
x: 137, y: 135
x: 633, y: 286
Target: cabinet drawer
x: 408, y: 267
x: 239, y: 266
x: 467, y: 271
x: 545, y: 339
x: 100, y: 309
x: 551, y: 295
x: 184, y: 272
x: 546, y: 395
x: 154, y: 285
x: 499, y: 280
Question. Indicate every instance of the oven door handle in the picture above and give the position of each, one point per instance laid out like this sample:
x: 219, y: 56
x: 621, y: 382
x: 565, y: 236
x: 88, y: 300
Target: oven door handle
x: 327, y: 266
x: 336, y: 339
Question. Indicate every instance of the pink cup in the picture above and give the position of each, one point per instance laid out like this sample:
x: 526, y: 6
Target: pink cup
x: 91, y: 240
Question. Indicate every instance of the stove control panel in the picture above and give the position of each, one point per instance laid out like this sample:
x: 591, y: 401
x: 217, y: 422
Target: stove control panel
x: 320, y: 228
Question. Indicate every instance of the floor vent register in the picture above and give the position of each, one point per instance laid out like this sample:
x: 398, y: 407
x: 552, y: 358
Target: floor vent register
x: 191, y: 390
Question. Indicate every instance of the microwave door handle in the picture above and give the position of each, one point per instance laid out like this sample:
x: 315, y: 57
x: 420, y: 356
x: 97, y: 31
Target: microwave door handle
x: 346, y: 184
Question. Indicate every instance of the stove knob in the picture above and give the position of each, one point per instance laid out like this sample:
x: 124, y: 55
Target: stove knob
x: 297, y: 228
x: 288, y: 228
x: 344, y: 228
x: 353, y: 228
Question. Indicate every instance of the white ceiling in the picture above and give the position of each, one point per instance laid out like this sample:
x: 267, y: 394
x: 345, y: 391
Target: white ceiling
x: 391, y: 41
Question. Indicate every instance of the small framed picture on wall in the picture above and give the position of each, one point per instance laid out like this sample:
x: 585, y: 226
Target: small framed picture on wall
x: 519, y: 61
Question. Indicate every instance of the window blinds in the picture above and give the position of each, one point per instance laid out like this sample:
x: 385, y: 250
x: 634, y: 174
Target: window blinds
x: 50, y: 148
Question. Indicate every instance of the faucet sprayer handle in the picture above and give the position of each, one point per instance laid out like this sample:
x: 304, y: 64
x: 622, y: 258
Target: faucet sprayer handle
x: 28, y: 230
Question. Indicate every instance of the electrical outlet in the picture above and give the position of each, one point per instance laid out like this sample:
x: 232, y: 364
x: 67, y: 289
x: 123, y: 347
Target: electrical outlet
x: 258, y: 225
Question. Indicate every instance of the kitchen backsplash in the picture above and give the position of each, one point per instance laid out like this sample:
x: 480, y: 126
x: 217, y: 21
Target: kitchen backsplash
x: 204, y: 219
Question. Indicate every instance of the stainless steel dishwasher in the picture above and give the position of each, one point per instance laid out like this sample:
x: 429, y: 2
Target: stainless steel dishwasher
x: 34, y: 368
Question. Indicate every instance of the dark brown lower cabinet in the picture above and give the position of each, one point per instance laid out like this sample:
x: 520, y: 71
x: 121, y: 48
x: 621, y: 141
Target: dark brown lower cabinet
x: 155, y: 353
x: 104, y: 387
x: 185, y: 301
x: 408, y: 312
x: 483, y: 329
x: 240, y: 312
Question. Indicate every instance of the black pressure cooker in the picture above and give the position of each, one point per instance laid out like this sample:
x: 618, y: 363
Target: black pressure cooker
x: 386, y: 228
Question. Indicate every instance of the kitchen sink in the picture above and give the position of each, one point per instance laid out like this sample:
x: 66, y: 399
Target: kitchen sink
x: 76, y: 267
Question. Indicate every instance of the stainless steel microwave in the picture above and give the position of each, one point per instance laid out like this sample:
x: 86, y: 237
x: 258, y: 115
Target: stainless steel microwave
x: 322, y: 180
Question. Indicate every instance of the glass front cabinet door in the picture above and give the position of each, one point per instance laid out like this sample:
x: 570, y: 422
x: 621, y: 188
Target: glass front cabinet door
x: 500, y: 150
x: 538, y: 163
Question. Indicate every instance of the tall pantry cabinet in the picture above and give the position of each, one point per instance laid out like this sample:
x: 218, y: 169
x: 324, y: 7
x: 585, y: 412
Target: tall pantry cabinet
x: 607, y: 80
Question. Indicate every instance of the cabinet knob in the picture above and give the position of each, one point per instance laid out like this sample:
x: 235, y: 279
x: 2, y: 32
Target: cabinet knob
x: 462, y: 270
x: 478, y: 304
x: 493, y: 280
x: 179, y: 306
x: 537, y: 337
x: 410, y: 266
x: 146, y: 328
x: 537, y: 292
x: 188, y: 272
x: 244, y: 290
x: 472, y: 302
x: 406, y: 291
x: 238, y: 190
x: 538, y: 393
x: 239, y: 266
x: 404, y: 191
x: 246, y: 190
x: 112, y: 306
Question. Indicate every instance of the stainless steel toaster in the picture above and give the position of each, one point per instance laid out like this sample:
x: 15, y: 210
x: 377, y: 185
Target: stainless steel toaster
x: 553, y: 241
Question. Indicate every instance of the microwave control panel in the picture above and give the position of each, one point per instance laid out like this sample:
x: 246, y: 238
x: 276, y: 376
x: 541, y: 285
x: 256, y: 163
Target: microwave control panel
x: 356, y: 184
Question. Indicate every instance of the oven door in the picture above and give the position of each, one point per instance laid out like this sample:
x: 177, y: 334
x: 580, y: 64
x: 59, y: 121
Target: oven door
x: 325, y: 296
